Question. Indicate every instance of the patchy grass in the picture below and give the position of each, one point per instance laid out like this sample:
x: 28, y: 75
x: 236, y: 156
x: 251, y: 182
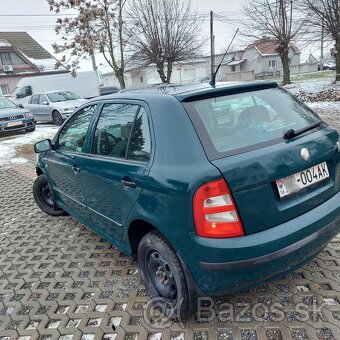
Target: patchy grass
x: 319, y: 75
x: 25, y: 151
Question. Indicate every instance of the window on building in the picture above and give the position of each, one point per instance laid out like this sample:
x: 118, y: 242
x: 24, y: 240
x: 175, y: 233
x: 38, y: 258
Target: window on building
x: 11, y: 58
x: 16, y: 60
x: 5, y: 59
x: 272, y: 63
x: 4, y: 89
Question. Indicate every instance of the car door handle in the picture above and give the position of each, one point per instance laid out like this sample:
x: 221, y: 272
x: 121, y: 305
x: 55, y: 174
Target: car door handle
x: 75, y: 169
x: 127, y: 183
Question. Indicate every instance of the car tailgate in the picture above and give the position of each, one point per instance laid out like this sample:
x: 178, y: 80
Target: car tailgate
x: 252, y: 176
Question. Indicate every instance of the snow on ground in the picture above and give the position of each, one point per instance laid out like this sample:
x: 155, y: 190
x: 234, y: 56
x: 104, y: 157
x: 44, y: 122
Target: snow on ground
x: 322, y: 96
x: 310, y: 86
x: 9, y: 144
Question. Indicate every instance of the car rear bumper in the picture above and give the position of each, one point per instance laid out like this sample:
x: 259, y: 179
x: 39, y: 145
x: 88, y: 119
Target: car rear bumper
x: 220, y: 266
x: 23, y: 124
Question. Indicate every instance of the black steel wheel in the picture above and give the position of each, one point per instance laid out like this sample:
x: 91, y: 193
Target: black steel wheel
x: 44, y: 198
x: 163, y: 276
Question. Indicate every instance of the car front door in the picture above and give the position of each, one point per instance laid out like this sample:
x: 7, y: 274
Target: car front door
x: 116, y: 168
x: 65, y: 161
x: 45, y: 110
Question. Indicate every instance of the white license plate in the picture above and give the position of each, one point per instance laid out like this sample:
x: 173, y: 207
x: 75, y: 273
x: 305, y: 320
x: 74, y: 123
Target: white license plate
x: 14, y: 123
x: 296, y: 182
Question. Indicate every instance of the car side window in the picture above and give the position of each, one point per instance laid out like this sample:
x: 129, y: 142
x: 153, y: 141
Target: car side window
x: 140, y: 142
x: 42, y: 99
x: 35, y: 99
x: 113, y: 129
x: 73, y: 135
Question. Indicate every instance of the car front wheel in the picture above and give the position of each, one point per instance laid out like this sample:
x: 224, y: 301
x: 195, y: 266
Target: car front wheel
x: 44, y: 198
x: 57, y: 118
x: 163, y: 276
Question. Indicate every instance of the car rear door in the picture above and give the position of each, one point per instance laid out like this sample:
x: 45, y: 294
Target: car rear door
x: 116, y: 168
x: 273, y: 174
x: 65, y: 161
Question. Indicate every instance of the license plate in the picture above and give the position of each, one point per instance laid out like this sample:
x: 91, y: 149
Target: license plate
x: 14, y: 123
x: 296, y: 182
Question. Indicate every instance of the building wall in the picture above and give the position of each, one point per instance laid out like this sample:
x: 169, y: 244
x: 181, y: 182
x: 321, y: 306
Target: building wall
x: 304, y: 68
x: 10, y: 82
x: 240, y: 76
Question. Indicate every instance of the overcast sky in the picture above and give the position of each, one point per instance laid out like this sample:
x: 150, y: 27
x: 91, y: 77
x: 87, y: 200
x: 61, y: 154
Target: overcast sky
x: 41, y: 28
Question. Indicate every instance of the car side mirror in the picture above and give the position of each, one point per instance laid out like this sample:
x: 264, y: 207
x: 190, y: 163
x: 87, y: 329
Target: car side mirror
x: 20, y: 106
x: 44, y: 103
x: 43, y: 146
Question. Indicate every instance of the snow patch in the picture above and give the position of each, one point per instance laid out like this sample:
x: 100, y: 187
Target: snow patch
x: 9, y: 145
x: 19, y: 160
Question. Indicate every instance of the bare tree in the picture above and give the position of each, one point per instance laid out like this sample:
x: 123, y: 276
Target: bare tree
x: 98, y: 27
x: 274, y: 19
x: 165, y: 31
x: 326, y: 14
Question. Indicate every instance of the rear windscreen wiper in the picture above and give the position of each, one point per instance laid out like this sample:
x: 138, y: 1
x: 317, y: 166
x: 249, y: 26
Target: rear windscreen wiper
x: 291, y: 133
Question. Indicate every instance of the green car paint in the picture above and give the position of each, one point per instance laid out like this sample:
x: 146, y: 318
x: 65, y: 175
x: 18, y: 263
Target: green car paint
x: 280, y: 234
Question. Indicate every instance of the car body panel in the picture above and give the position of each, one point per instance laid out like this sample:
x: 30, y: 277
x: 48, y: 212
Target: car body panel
x: 266, y: 165
x: 65, y: 181
x: 228, y: 251
x: 179, y: 166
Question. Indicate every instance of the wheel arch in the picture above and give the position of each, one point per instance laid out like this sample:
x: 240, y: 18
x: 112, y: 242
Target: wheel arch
x: 137, y: 230
x: 39, y: 171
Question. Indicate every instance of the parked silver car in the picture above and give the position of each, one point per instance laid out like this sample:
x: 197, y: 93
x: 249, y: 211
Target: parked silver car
x: 53, y: 106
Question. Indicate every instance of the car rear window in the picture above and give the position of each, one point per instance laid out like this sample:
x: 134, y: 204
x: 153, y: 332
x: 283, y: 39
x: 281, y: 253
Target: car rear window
x: 241, y: 122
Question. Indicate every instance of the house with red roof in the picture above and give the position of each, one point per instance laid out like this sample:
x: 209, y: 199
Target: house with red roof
x: 262, y: 59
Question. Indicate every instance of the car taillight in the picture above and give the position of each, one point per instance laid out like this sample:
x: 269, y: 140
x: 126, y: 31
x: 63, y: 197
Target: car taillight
x: 215, y: 213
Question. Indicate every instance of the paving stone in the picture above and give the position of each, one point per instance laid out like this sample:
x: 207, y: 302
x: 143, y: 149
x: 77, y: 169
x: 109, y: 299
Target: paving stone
x: 59, y: 280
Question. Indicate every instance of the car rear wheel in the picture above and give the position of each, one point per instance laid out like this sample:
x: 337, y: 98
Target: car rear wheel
x: 163, y: 276
x: 57, y: 118
x: 44, y: 198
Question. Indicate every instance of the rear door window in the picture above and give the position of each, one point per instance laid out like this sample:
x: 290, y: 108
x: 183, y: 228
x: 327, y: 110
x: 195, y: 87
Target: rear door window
x: 140, y: 141
x: 113, y: 129
x: 237, y: 123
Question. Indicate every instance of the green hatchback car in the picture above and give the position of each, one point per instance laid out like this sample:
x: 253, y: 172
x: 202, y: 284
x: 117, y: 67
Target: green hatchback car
x: 211, y: 189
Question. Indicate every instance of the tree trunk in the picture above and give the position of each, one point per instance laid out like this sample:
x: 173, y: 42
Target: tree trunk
x: 337, y: 59
x: 285, y: 65
x: 169, y: 71
x: 160, y: 70
x: 119, y: 73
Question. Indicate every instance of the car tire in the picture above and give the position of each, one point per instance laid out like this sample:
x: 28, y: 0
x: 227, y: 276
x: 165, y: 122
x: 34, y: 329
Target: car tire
x: 57, y: 118
x: 44, y: 198
x: 163, y: 276
x: 31, y: 129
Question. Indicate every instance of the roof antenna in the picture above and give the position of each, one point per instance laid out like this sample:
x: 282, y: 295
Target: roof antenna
x: 213, y: 80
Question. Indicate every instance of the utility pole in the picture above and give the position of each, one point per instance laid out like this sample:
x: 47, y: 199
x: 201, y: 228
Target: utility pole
x: 212, y: 44
x: 321, y: 57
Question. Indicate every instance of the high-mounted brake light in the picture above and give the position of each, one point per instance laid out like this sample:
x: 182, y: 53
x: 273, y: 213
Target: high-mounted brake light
x: 215, y: 213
